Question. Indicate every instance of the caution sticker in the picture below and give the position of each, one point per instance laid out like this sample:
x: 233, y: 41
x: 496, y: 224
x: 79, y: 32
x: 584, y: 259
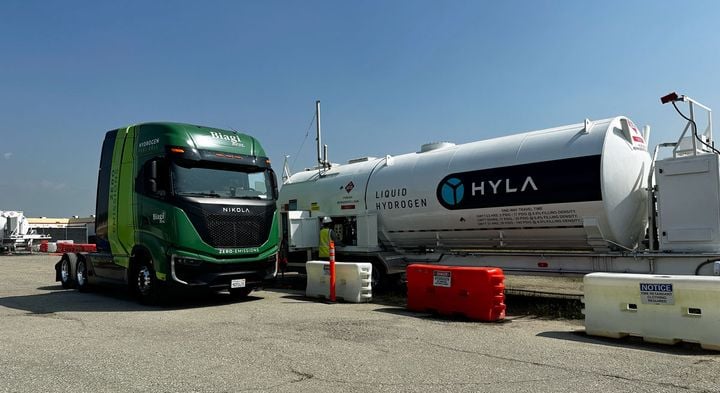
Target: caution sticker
x: 442, y: 278
x: 657, y: 293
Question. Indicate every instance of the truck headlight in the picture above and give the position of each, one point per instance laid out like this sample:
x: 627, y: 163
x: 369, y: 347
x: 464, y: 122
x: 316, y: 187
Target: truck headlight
x: 188, y: 261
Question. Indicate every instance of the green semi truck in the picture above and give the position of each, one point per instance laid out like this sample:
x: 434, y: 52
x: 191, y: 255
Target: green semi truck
x: 179, y: 206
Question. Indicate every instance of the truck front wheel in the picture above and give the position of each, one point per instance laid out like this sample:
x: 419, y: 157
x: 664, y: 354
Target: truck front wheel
x: 147, y: 287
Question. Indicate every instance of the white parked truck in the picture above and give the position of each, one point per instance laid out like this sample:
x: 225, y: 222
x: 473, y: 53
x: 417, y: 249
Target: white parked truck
x: 568, y: 200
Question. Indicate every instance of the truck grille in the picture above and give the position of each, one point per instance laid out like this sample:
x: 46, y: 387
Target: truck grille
x: 247, y: 230
x: 230, y: 226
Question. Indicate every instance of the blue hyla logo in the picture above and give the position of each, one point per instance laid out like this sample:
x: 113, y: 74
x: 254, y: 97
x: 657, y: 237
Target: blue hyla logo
x: 452, y: 191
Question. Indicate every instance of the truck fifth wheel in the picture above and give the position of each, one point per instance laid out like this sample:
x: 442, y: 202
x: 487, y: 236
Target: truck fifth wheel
x: 180, y: 205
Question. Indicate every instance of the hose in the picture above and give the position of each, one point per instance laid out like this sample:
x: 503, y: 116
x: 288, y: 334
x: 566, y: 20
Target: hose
x: 700, y: 266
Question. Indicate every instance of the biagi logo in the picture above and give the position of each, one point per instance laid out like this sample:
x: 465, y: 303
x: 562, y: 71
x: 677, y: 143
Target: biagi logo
x: 233, y: 139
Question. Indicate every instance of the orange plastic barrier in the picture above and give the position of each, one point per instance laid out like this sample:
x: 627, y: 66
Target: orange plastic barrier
x: 75, y: 247
x: 478, y: 293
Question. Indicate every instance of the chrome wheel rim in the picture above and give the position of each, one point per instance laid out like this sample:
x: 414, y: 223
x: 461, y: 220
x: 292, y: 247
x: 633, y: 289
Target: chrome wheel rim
x: 144, y: 280
x: 65, y: 271
x: 81, y: 273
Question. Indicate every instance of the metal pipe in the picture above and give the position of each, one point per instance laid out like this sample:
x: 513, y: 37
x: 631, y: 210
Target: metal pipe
x: 650, y: 205
x: 318, y: 138
x: 688, y: 99
x: 694, y: 129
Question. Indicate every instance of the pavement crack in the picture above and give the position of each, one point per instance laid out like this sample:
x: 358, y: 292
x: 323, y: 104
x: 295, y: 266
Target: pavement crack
x: 303, y: 376
x: 428, y: 384
x: 569, y: 369
x: 701, y: 361
x: 665, y: 384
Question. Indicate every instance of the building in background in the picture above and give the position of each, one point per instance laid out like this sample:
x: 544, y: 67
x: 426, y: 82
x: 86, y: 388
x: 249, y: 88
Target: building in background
x: 77, y: 229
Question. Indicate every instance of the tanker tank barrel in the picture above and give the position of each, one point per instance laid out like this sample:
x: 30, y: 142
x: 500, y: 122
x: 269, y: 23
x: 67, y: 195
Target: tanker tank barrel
x: 558, y: 188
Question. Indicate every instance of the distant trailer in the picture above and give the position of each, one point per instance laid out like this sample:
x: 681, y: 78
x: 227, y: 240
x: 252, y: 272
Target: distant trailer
x: 15, y: 232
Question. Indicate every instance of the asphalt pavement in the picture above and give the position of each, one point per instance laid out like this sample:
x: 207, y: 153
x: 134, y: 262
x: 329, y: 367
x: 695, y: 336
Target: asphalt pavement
x: 55, y: 340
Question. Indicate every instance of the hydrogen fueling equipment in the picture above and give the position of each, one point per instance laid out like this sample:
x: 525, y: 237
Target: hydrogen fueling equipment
x: 572, y: 199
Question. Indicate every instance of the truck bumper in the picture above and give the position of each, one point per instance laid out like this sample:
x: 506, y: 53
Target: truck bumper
x: 197, y: 273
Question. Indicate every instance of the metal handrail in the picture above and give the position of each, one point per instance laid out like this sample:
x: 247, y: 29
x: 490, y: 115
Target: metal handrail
x: 707, y: 134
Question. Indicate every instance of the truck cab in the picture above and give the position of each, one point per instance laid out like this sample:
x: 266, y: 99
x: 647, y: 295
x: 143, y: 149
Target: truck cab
x: 183, y: 206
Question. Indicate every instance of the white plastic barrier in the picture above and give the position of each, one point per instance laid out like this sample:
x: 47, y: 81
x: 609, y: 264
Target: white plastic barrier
x: 352, y: 280
x: 52, y: 247
x: 661, y: 309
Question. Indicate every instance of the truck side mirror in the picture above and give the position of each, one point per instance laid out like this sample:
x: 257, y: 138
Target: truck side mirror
x: 151, y: 177
x: 153, y: 170
x: 152, y: 186
x: 273, y: 180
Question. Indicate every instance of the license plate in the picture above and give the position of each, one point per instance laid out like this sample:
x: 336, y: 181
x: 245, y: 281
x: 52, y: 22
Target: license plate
x: 239, y: 283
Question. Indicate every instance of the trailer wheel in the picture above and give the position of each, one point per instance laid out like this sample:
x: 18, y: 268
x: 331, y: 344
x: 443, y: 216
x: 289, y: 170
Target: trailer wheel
x: 378, y: 278
x: 81, y: 276
x: 146, y: 285
x: 65, y: 273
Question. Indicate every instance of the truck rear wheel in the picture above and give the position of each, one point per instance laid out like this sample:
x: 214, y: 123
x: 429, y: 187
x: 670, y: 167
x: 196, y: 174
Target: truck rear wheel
x: 65, y: 273
x: 81, y: 276
x: 146, y: 285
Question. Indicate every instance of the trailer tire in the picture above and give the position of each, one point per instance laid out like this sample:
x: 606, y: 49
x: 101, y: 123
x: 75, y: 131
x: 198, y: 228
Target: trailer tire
x: 378, y: 278
x: 81, y: 275
x: 146, y: 286
x: 65, y: 273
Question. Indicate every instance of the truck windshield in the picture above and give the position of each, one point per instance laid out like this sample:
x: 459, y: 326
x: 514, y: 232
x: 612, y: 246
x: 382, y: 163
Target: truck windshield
x: 222, y: 182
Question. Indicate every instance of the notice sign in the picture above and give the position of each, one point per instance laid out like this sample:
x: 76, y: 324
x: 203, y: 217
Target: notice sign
x: 656, y: 293
x: 442, y: 279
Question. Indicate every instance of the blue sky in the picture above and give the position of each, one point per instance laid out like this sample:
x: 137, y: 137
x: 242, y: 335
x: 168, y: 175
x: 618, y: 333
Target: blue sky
x: 391, y: 76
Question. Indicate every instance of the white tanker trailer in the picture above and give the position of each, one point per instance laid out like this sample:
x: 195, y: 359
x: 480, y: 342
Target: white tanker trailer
x: 15, y: 231
x: 571, y: 199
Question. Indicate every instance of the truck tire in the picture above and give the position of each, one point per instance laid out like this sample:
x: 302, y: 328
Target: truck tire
x: 65, y: 273
x: 81, y: 276
x: 147, y: 287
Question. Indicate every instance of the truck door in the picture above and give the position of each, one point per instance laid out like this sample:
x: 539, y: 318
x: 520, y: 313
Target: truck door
x: 121, y: 220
